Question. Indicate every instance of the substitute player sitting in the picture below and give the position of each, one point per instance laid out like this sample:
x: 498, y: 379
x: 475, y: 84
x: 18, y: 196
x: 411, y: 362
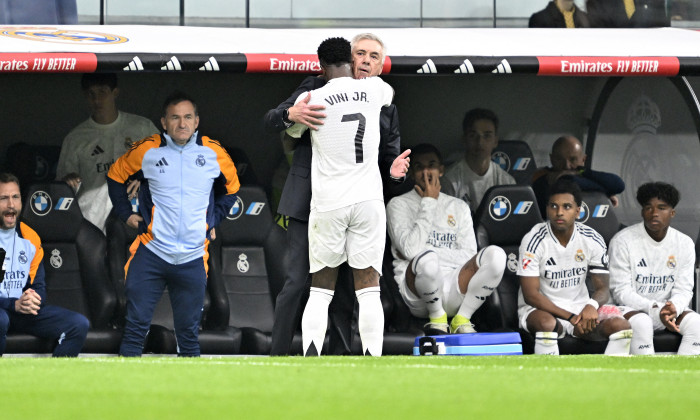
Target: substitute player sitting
x: 555, y: 257
x: 651, y: 273
x: 436, y: 265
x: 347, y: 219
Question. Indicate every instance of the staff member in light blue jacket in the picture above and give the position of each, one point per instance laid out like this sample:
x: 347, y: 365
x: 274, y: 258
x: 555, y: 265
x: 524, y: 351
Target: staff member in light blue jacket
x: 188, y: 184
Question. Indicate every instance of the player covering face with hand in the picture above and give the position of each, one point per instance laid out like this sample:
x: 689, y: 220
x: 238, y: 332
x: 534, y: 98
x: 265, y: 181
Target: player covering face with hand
x: 436, y: 264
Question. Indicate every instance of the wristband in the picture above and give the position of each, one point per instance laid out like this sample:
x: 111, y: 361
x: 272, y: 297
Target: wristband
x: 569, y: 318
x: 594, y: 303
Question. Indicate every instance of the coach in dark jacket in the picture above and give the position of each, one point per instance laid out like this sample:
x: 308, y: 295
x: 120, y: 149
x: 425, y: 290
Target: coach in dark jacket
x: 368, y: 57
x: 554, y: 16
x: 614, y: 14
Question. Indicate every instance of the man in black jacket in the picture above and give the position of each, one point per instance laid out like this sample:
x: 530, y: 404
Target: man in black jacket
x: 559, y: 14
x: 368, y: 60
x: 627, y: 13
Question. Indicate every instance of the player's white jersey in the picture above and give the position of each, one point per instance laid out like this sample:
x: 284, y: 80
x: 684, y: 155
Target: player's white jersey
x: 90, y: 149
x: 461, y: 182
x: 344, y: 167
x: 562, y: 270
x: 644, y: 272
x: 417, y: 224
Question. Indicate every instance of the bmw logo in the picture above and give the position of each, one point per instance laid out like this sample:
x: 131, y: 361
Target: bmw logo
x: 237, y: 209
x: 583, y: 213
x: 502, y: 159
x: 41, y: 203
x: 499, y: 208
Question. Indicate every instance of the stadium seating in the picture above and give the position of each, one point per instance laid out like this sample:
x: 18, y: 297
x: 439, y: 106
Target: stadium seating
x: 74, y: 262
x: 515, y: 157
x: 247, y: 258
x: 215, y: 336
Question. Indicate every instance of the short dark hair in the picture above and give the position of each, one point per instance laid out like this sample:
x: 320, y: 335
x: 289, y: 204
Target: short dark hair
x: 566, y: 185
x: 98, y: 79
x: 334, y: 51
x: 661, y: 190
x: 177, y: 97
x: 426, y: 148
x: 476, y: 114
x: 6, y: 178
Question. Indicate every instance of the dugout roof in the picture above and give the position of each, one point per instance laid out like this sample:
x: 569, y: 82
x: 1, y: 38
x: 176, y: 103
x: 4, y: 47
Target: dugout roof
x: 415, y: 51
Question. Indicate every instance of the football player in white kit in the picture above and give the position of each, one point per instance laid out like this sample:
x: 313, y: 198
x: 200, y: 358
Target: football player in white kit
x: 436, y: 265
x: 555, y: 257
x: 347, y: 220
x: 651, y: 273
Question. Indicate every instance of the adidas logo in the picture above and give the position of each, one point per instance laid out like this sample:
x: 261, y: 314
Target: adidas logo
x: 550, y: 261
x: 428, y: 67
x: 98, y: 150
x: 172, y: 65
x: 642, y: 263
x: 504, y: 67
x: 465, y: 67
x: 134, y: 65
x: 210, y: 65
x: 161, y: 162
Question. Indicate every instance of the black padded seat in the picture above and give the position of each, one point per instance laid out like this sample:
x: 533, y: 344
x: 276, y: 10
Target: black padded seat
x: 516, y: 158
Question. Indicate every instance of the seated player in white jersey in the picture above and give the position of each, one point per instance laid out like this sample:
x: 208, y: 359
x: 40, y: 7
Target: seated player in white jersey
x: 348, y: 219
x: 555, y: 257
x: 651, y: 273
x: 436, y: 265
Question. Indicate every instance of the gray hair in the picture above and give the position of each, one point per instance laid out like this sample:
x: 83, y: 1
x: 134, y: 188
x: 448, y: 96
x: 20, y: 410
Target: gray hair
x: 366, y: 35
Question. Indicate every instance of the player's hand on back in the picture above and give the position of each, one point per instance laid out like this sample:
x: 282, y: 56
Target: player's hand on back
x: 309, y: 115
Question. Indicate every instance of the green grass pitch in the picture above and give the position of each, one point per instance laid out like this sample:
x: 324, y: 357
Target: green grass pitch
x: 390, y: 387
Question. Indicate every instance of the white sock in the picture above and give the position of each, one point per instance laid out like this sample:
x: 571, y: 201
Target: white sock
x: 619, y: 343
x: 643, y: 338
x: 428, y: 282
x: 547, y: 342
x: 370, y: 320
x: 491, y: 261
x: 314, y: 322
x: 690, y: 330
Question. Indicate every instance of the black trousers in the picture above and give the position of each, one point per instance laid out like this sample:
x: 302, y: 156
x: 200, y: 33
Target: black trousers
x: 292, y: 299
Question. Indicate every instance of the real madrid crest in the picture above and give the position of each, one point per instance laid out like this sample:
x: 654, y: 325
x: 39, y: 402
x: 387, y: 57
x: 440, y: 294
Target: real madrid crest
x: 512, y: 263
x: 243, y: 265
x: 22, y: 257
x: 579, y: 256
x: 200, y: 161
x: 671, y: 263
x: 56, y: 260
x: 451, y: 220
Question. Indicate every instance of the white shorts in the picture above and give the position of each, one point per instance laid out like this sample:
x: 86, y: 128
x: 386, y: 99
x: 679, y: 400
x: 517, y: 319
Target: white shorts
x: 449, y: 293
x: 653, y: 314
x: 355, y: 233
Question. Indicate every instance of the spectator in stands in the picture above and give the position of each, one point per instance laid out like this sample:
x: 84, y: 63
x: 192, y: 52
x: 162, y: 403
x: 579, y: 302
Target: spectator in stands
x: 559, y: 14
x: 568, y: 160
x: 90, y: 148
x: 175, y: 223
x: 470, y: 177
x: 651, y: 273
x: 555, y: 257
x: 436, y: 264
x: 368, y: 54
x: 627, y: 13
x: 23, y: 292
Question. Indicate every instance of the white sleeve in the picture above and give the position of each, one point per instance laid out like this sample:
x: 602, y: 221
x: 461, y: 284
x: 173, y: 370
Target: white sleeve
x: 622, y: 278
x: 528, y: 263
x: 409, y: 232
x: 68, y: 158
x: 682, y: 290
x: 387, y: 93
x: 599, y: 257
x: 297, y: 129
